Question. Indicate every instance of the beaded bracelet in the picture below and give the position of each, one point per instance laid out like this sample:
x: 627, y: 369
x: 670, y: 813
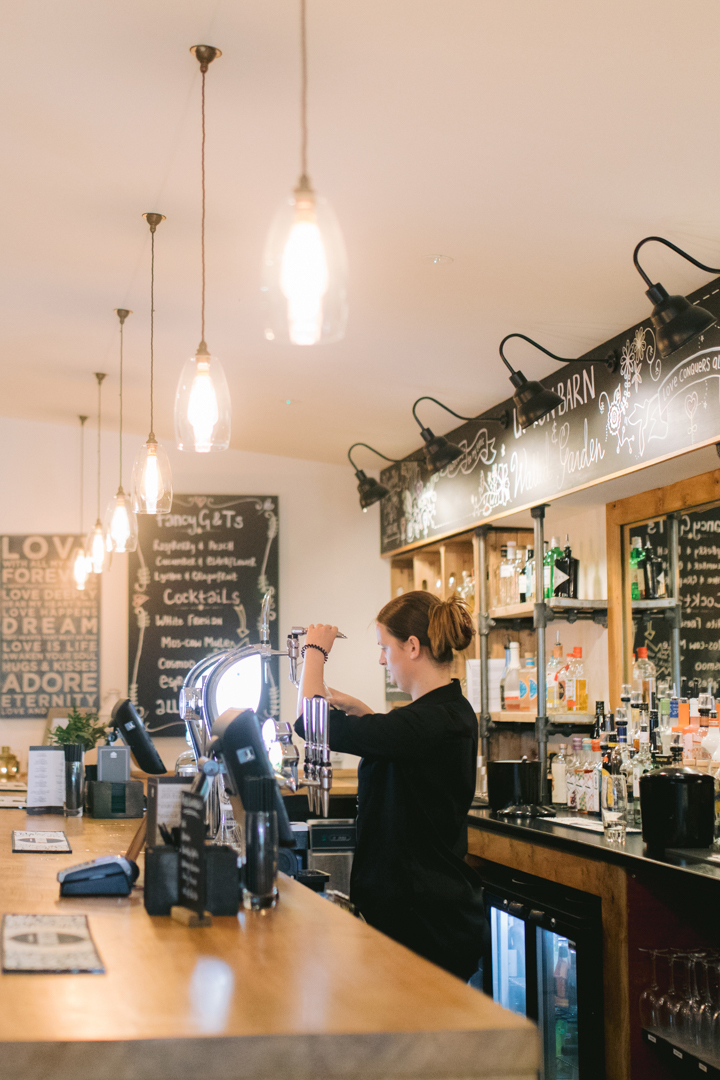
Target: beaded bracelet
x: 319, y: 648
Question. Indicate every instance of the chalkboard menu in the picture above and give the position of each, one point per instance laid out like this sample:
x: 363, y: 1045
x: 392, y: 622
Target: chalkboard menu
x: 192, y: 878
x: 196, y: 582
x: 608, y: 423
x: 699, y: 561
x: 50, y: 630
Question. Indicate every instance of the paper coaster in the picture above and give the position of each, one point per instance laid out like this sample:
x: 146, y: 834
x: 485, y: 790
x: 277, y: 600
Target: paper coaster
x: 23, y: 840
x: 49, y: 944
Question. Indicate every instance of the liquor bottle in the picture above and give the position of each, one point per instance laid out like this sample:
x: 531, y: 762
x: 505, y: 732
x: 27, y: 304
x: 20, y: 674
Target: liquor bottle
x: 512, y: 678
x: 528, y: 684
x: 559, y: 777
x: 558, y: 577
x: 504, y: 676
x: 548, y: 564
x: 637, y: 573
x: 570, y: 772
x: 599, y: 719
x: 619, y: 751
x: 659, y: 577
x: 597, y: 775
x: 583, y: 777
x: 581, y: 694
x: 522, y: 578
x: 642, y: 763
x: 555, y: 700
x: 566, y: 572
x: 507, y: 576
x: 644, y: 676
x: 649, y: 571
x: 570, y: 699
x: 530, y: 574
x: 626, y: 770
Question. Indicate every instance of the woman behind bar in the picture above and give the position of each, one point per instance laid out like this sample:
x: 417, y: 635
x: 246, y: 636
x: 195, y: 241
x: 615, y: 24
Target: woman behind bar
x: 416, y: 782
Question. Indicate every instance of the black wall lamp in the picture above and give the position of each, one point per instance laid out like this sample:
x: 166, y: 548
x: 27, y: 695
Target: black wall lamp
x: 370, y: 490
x: 675, y: 319
x: 532, y: 399
x: 439, y: 452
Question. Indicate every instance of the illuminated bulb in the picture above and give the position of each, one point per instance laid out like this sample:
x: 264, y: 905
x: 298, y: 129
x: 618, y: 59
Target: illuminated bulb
x: 80, y: 569
x: 202, y: 405
x: 305, y: 272
x: 120, y: 525
x: 151, y: 480
x: 95, y: 548
x: 203, y: 408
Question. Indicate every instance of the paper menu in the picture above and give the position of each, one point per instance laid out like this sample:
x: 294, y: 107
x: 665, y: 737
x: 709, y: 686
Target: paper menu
x: 46, y: 777
x: 50, y: 944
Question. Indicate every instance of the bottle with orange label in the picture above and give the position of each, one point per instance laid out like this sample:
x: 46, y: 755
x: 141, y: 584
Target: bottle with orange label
x: 581, y: 694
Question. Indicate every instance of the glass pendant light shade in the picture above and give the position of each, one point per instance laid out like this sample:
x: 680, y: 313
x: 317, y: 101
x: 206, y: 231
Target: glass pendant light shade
x: 202, y: 405
x: 304, y: 281
x: 151, y: 479
x: 96, y: 550
x: 120, y: 524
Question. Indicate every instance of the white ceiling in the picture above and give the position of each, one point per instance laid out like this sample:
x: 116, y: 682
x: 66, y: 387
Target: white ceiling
x: 533, y: 142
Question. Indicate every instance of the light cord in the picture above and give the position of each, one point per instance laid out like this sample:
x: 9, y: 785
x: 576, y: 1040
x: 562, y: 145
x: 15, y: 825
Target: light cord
x: 98, y: 478
x: 303, y: 89
x: 394, y: 460
x: 121, y: 400
x: 202, y: 226
x: 152, y: 327
x: 82, y: 473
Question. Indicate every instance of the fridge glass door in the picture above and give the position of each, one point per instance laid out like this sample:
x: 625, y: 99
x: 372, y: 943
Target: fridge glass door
x: 508, y: 960
x: 557, y: 1005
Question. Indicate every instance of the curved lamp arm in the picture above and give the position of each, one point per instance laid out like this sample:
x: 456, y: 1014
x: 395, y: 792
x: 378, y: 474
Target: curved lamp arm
x: 394, y: 460
x: 673, y: 247
x: 611, y: 361
x: 504, y: 419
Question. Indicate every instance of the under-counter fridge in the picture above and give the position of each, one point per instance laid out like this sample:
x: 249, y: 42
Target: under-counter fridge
x: 546, y: 964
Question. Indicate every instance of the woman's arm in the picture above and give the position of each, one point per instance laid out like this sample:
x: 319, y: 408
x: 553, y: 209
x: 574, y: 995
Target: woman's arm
x: 350, y: 705
x: 312, y: 683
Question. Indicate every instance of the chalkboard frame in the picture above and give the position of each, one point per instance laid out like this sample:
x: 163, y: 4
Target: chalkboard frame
x: 190, y: 624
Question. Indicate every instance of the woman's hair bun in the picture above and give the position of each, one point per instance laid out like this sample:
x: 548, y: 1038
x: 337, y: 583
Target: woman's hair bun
x: 442, y: 626
x: 450, y: 627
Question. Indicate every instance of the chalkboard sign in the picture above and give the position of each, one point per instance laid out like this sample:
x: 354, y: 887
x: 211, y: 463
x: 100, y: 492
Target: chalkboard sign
x: 192, y: 868
x: 196, y: 585
x: 50, y: 630
x: 608, y: 424
x: 699, y: 562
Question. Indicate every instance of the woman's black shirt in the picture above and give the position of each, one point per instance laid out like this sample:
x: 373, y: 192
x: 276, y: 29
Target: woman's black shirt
x: 416, y: 783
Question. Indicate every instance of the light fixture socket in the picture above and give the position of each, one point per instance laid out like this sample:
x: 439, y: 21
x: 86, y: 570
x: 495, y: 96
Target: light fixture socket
x: 439, y: 452
x: 122, y: 314
x: 153, y: 220
x: 205, y: 54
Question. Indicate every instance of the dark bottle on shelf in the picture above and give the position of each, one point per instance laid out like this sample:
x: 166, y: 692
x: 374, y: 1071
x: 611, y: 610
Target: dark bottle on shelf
x: 659, y: 577
x: 569, y: 566
x: 648, y: 568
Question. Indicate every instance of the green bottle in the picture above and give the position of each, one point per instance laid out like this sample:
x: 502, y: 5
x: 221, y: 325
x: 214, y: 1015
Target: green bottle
x: 637, y: 569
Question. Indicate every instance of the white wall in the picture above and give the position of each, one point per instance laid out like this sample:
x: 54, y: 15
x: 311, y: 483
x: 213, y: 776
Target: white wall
x: 330, y: 569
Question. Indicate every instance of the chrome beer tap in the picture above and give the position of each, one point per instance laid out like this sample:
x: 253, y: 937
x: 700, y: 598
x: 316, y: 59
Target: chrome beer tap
x: 317, y: 772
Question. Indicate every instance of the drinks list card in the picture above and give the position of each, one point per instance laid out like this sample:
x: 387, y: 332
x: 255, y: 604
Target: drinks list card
x: 46, y: 780
x: 23, y: 840
x: 49, y: 944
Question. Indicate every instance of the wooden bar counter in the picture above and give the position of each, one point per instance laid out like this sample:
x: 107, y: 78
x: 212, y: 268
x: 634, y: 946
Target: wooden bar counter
x: 303, y: 991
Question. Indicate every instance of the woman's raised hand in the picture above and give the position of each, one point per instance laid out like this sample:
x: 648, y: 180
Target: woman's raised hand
x: 322, y: 634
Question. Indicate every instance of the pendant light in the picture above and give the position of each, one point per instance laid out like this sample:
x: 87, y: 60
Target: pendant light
x: 81, y: 568
x: 151, y: 477
x: 370, y: 490
x: 675, y: 319
x: 532, y: 399
x: 202, y: 401
x: 120, y: 521
x: 304, y: 277
x: 439, y: 451
x: 95, y: 546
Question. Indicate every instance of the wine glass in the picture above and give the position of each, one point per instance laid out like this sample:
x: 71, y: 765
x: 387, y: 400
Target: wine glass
x: 688, y: 1014
x: 651, y: 995
x: 708, y: 989
x: 669, y: 1003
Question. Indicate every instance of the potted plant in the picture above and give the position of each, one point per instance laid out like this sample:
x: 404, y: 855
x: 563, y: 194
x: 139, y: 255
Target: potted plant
x: 85, y: 728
